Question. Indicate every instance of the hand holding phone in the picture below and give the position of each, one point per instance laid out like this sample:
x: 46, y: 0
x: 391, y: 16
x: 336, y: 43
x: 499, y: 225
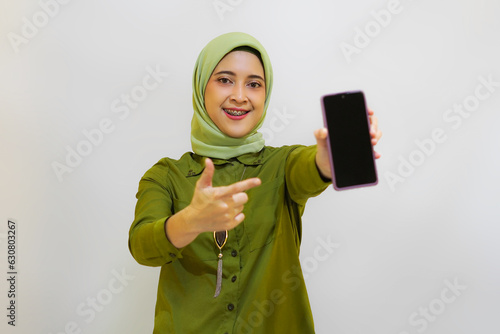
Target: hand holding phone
x: 352, y: 158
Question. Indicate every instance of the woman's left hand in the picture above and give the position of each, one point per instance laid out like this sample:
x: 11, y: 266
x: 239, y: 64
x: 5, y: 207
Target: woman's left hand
x: 322, y: 156
x: 375, y: 132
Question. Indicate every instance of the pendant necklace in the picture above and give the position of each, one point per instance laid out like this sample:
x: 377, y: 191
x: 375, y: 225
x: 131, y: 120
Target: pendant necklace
x: 220, y: 238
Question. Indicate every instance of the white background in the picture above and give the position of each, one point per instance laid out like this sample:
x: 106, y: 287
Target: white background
x: 398, y: 242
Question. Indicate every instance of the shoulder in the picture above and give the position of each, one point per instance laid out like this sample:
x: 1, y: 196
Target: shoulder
x: 283, y: 152
x: 165, y: 167
x: 270, y: 150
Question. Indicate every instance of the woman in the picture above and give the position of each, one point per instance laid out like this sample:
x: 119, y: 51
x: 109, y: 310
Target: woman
x: 246, y: 278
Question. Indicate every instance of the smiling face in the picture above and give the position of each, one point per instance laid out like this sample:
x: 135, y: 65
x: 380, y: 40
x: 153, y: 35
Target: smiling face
x: 235, y: 94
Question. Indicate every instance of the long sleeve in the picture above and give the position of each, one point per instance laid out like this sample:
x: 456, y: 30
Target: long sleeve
x: 147, y: 240
x: 302, y: 176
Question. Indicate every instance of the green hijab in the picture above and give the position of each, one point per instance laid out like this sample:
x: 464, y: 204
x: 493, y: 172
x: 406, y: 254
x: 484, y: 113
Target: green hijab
x: 206, y: 138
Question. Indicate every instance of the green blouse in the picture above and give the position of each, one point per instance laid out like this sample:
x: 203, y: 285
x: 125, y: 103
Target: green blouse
x: 263, y: 290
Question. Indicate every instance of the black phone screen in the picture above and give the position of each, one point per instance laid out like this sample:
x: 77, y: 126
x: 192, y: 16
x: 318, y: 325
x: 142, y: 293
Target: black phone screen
x: 351, y: 150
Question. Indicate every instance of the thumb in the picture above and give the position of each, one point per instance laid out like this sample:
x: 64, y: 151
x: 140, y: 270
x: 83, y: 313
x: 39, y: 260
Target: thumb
x: 321, y: 137
x: 206, y: 177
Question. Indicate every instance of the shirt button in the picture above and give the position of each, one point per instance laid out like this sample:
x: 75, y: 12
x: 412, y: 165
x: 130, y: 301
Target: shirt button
x: 230, y: 307
x: 233, y: 279
x: 234, y: 253
x: 172, y: 255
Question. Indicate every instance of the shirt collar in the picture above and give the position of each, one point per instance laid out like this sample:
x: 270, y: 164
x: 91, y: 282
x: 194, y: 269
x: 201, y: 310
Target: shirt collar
x: 197, y: 163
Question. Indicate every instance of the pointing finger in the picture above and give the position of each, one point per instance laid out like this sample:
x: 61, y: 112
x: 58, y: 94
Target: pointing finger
x: 239, y: 187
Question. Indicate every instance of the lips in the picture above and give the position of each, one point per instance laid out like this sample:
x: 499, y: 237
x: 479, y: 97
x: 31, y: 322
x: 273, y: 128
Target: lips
x: 236, y: 114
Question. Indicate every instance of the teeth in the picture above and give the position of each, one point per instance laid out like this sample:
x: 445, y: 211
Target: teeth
x: 235, y: 112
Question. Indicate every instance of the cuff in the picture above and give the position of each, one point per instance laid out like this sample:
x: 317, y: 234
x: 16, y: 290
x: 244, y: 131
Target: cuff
x: 167, y: 250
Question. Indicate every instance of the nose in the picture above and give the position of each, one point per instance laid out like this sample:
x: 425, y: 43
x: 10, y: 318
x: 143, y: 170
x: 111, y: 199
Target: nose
x: 238, y: 94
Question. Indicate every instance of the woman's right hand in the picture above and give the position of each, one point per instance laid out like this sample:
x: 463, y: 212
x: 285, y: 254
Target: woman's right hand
x: 218, y: 208
x: 211, y: 209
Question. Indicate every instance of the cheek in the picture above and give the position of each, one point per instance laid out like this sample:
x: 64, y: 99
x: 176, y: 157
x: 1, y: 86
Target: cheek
x: 259, y: 99
x: 210, y: 100
x: 208, y: 94
x: 214, y: 96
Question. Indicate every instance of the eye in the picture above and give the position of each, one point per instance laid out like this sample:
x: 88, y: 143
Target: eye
x: 255, y: 84
x: 224, y: 80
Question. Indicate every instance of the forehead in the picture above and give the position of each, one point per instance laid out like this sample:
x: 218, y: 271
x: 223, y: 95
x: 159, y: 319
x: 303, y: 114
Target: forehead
x: 240, y: 61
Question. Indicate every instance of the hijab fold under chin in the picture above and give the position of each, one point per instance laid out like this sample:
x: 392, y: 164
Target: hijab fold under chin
x: 206, y: 138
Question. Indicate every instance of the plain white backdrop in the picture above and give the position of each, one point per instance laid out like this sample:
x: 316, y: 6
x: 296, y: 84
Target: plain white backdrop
x: 418, y: 253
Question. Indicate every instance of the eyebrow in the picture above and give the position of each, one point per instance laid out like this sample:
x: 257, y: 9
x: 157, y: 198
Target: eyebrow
x: 251, y: 76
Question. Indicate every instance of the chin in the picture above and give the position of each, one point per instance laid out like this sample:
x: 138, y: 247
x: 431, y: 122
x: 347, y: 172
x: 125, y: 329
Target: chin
x: 236, y: 134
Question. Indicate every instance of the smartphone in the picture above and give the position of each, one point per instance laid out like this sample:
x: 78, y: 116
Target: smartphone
x: 352, y: 158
